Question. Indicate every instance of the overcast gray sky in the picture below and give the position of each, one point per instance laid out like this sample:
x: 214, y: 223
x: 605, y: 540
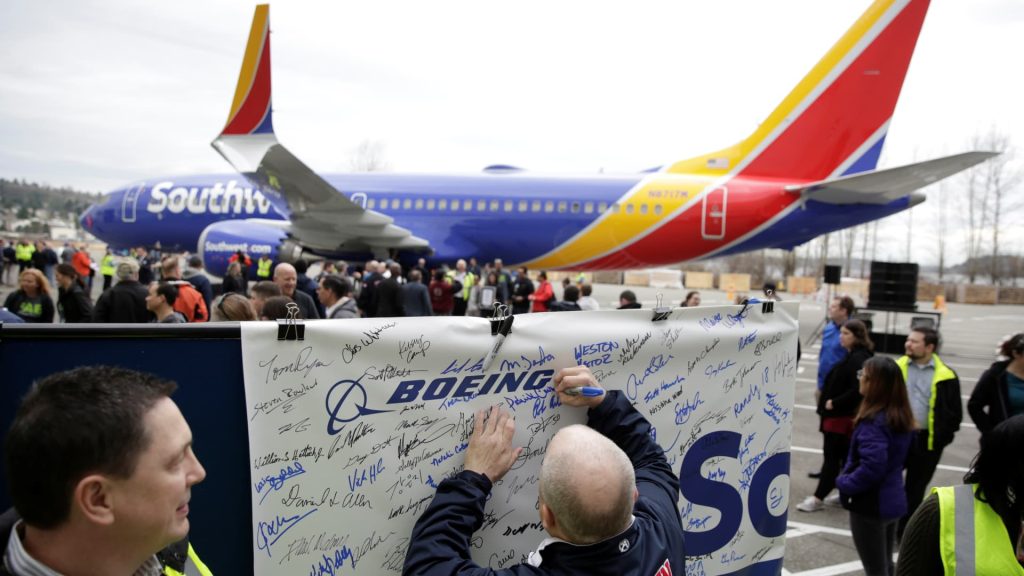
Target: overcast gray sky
x: 96, y: 94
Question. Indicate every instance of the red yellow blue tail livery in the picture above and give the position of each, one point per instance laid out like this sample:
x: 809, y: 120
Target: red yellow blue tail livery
x: 250, y: 110
x: 807, y: 170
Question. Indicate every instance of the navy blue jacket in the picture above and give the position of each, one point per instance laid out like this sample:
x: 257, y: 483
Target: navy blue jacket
x: 440, y: 540
x: 872, y: 482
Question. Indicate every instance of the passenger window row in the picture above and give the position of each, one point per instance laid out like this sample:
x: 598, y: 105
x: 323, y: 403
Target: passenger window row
x: 536, y: 206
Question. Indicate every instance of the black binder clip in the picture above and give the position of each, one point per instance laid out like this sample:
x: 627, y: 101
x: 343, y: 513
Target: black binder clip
x: 501, y: 312
x: 291, y: 327
x: 768, y: 306
x: 660, y: 312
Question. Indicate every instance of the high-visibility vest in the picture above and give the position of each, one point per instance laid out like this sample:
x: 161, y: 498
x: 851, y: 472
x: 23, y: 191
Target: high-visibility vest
x: 263, y: 267
x: 942, y: 372
x: 23, y: 252
x: 973, y: 540
x: 193, y: 566
x: 467, y: 283
x: 107, y: 265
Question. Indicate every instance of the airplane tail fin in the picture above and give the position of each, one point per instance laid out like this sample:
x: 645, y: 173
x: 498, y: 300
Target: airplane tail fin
x: 251, y: 111
x: 248, y: 143
x: 835, y: 120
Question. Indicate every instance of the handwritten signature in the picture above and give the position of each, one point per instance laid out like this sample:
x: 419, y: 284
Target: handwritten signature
x: 348, y: 353
x: 302, y: 364
x: 268, y: 533
x: 276, y: 481
x: 632, y: 347
x: 409, y: 350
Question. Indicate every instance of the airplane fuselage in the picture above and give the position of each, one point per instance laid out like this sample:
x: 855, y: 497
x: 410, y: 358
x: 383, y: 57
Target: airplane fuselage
x: 523, y: 218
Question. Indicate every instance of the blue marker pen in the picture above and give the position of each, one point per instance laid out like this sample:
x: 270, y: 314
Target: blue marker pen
x: 584, y: 391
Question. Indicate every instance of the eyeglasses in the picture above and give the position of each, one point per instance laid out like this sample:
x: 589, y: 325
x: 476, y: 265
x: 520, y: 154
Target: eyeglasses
x: 220, y: 304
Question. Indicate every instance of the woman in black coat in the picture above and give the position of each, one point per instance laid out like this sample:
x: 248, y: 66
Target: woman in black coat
x: 73, y: 304
x: 234, y: 280
x: 999, y: 392
x: 837, y: 406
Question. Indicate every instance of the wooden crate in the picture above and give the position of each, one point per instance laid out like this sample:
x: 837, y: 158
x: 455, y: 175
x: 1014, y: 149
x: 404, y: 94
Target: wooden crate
x: 666, y: 278
x: 607, y: 277
x: 801, y: 285
x: 636, y: 278
x: 556, y: 277
x: 1009, y: 295
x: 927, y: 292
x: 854, y: 288
x: 975, y: 294
x: 734, y: 282
x: 699, y: 280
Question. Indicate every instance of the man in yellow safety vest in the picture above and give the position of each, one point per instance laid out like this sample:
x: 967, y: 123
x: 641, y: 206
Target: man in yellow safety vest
x: 107, y: 269
x: 122, y: 509
x: 263, y: 267
x: 934, y: 392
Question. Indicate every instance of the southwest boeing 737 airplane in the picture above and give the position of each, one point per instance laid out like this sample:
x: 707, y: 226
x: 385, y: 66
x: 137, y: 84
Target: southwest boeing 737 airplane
x: 808, y: 169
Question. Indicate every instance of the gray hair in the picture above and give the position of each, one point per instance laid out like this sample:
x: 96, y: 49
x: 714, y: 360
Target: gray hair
x: 582, y: 518
x: 127, y: 270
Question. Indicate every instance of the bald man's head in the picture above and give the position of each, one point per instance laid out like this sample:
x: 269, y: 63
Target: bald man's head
x: 588, y: 485
x: 286, y: 277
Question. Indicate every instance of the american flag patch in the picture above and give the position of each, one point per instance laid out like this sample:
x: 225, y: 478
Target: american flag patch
x: 665, y: 570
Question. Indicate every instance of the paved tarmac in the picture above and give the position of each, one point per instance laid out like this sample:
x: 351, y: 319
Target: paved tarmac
x: 819, y: 543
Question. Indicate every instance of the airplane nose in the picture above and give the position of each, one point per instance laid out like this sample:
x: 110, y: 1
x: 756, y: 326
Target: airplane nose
x: 86, y: 219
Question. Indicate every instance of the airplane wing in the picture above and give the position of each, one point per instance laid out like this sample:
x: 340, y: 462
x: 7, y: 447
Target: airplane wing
x: 884, y: 186
x: 321, y: 217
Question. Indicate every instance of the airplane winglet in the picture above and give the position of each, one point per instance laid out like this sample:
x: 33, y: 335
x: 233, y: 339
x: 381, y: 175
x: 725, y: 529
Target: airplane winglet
x: 251, y: 111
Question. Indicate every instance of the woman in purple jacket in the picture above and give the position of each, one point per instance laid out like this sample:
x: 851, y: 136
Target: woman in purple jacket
x: 840, y: 399
x: 871, y: 485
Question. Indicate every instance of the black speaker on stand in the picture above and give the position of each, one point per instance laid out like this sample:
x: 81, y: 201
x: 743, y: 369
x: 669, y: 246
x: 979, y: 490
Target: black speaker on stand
x: 893, y: 286
x: 833, y: 276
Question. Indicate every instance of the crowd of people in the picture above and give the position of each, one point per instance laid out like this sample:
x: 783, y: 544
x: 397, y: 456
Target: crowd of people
x: 885, y: 424
x: 144, y: 285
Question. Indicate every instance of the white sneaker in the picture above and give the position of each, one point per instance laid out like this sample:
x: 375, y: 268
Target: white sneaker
x: 832, y: 500
x: 810, y: 504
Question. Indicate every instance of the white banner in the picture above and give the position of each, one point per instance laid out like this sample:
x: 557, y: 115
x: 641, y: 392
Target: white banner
x: 351, y: 429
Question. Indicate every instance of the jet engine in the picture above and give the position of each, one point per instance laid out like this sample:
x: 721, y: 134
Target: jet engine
x: 222, y: 240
